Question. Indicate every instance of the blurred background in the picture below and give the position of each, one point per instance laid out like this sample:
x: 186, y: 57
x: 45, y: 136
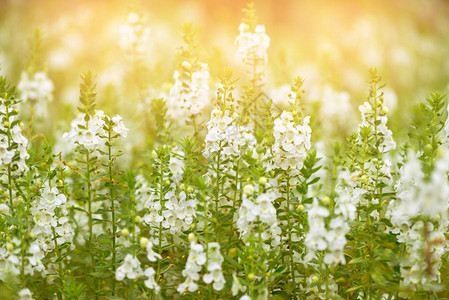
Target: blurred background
x: 332, y: 44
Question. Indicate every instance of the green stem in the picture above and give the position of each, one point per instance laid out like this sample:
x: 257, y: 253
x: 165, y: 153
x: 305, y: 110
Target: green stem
x: 89, y: 212
x: 111, y: 195
x: 58, y: 254
x: 161, y: 198
x: 217, y: 192
x: 290, y: 245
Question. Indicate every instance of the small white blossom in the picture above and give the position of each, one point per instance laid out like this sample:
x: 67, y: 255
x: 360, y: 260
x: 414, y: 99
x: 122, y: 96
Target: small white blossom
x: 130, y: 268
x: 151, y: 282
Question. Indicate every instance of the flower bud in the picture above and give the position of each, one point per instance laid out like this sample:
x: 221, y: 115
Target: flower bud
x: 301, y: 208
x: 232, y: 252
x: 326, y: 200
x: 315, y: 279
x: 143, y: 242
x: 189, y: 190
x: 186, y: 65
x: 428, y: 149
x: 9, y: 247
x: 192, y: 237
x: 263, y: 180
x: 137, y: 219
x: 248, y: 189
x: 251, y: 276
x: 125, y: 232
x: 364, y: 179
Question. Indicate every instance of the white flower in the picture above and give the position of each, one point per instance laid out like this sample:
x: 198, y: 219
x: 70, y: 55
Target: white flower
x: 37, y: 87
x: 193, y: 93
x: 151, y: 282
x: 130, y: 268
x: 133, y: 35
x: 225, y: 135
x: 119, y: 126
x: 252, y: 47
x: 260, y: 209
x: 152, y: 256
x: 291, y: 142
x: 330, y: 237
x: 25, y: 294
x: 17, y: 145
x: 215, y: 274
x: 195, y: 260
x: 236, y: 285
x: 4, y: 209
x: 177, y: 165
x: 369, y: 118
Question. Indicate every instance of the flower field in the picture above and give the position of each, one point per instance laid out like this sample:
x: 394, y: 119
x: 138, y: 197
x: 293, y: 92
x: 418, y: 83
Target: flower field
x: 224, y: 150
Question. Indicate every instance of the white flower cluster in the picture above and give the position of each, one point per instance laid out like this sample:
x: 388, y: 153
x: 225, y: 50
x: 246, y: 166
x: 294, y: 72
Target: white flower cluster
x: 176, y: 165
x: 192, y: 94
x: 349, y: 194
x: 252, y: 47
x: 423, y: 255
x: 9, y: 260
x: 370, y: 118
x: 35, y: 259
x: 418, y: 196
x: 352, y: 187
x: 134, y: 36
x: 142, y: 192
x: 90, y: 136
x: 37, y: 87
x: 179, y: 212
x: 151, y: 282
x: 50, y: 213
x: 130, y: 268
x: 237, y: 286
x: 13, y: 142
x: 150, y: 272
x: 214, y: 262
x: 25, y: 294
x: 179, y: 207
x: 259, y: 209
x: 326, y: 234
x: 424, y: 241
x: 224, y: 134
x: 195, y: 261
x: 291, y: 143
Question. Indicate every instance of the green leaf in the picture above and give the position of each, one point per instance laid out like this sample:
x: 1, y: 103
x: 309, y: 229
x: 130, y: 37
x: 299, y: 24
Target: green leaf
x: 100, y: 275
x: 357, y: 260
